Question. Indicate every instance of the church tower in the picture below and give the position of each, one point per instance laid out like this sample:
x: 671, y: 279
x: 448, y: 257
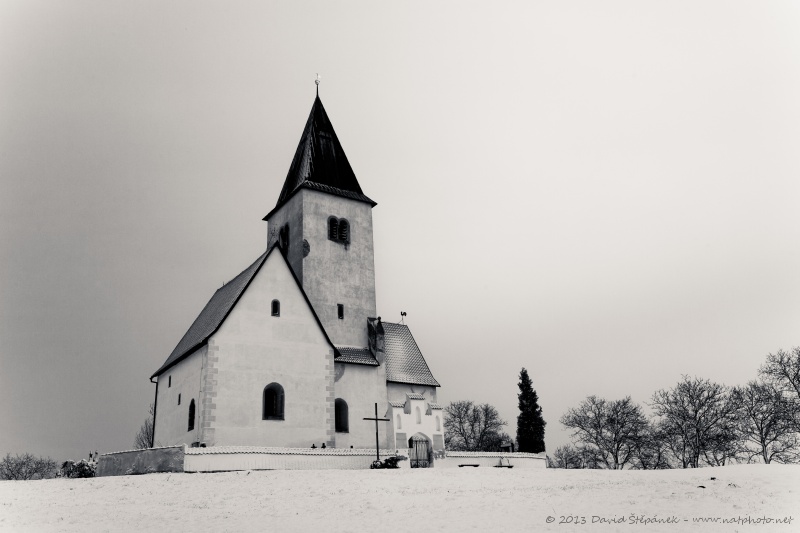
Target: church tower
x: 323, y: 224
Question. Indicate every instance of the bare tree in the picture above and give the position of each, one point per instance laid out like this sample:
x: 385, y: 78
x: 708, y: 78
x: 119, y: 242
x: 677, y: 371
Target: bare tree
x: 26, y: 466
x: 782, y: 369
x: 765, y: 421
x: 144, y: 439
x: 697, y: 421
x: 650, y: 450
x: 471, y: 427
x: 608, y: 428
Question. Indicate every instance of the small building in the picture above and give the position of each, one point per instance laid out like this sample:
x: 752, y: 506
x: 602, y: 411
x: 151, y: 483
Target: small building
x: 291, y: 352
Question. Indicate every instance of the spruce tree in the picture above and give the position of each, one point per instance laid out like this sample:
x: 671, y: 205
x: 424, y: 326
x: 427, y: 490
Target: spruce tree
x: 530, y: 424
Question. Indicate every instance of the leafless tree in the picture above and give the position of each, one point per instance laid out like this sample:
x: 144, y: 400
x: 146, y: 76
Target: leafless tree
x: 610, y: 429
x: 650, y: 450
x: 782, y: 370
x: 26, y: 466
x: 471, y: 427
x: 144, y: 439
x: 697, y: 421
x: 765, y: 421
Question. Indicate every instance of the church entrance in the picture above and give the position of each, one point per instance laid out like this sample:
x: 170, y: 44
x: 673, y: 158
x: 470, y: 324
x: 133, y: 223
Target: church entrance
x: 420, y: 452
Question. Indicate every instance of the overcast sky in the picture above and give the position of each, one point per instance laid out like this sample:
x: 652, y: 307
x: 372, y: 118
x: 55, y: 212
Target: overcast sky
x: 604, y: 193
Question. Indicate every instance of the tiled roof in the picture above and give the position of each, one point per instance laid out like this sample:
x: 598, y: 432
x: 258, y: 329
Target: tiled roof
x: 219, y: 306
x: 212, y: 315
x: 359, y: 356
x: 397, y: 404
x: 404, y: 361
x: 435, y: 406
x: 415, y: 396
x: 320, y: 162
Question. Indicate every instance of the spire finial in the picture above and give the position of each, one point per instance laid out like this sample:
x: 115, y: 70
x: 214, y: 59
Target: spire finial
x: 317, y: 82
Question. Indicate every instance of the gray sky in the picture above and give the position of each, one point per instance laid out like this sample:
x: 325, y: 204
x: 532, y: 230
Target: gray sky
x: 603, y: 192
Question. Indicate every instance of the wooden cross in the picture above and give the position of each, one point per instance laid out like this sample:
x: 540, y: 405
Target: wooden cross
x: 376, y: 419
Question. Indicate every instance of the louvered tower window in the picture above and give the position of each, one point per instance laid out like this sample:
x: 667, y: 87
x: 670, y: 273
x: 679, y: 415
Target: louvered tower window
x: 344, y: 231
x: 338, y: 230
x: 333, y: 228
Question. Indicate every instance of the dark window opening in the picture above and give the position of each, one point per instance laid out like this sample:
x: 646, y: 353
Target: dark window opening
x: 340, y: 310
x: 191, y: 415
x: 179, y: 398
x: 333, y: 228
x: 344, y: 231
x: 169, y: 382
x: 273, y: 402
x: 342, y: 418
x: 339, y: 230
x: 283, y: 238
x: 276, y: 308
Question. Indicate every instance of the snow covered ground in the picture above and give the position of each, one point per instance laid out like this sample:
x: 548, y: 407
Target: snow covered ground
x: 461, y: 499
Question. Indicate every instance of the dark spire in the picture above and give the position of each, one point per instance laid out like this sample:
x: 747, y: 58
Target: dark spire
x: 320, y: 162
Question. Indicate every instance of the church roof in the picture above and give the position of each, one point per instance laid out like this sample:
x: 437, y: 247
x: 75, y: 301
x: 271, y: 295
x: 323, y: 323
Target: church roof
x: 320, y: 163
x: 359, y: 356
x: 219, y: 307
x: 404, y: 360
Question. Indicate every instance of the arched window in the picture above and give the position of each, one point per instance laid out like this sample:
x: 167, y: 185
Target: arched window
x: 338, y: 230
x: 273, y: 402
x: 399, y: 422
x: 419, y: 416
x: 342, y: 417
x: 438, y: 424
x: 191, y: 415
x: 344, y: 231
x: 276, y: 308
x: 333, y: 228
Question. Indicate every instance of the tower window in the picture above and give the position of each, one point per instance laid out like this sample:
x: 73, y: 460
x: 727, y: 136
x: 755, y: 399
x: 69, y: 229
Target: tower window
x: 338, y: 230
x: 342, y: 418
x: 276, y: 308
x: 419, y: 416
x: 340, y: 311
x: 191, y: 415
x: 283, y: 238
x: 333, y: 228
x: 169, y: 382
x: 273, y: 402
x: 179, y: 398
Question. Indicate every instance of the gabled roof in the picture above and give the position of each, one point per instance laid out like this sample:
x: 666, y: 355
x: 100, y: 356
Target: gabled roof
x: 320, y: 163
x: 358, y: 356
x: 219, y: 307
x: 404, y: 360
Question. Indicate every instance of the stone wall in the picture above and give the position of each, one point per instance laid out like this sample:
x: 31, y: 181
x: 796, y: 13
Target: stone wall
x: 148, y: 461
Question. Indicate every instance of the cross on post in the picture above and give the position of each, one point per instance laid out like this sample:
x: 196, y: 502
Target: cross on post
x: 376, y: 419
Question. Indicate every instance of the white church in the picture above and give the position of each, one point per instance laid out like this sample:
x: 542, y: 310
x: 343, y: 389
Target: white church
x: 291, y: 352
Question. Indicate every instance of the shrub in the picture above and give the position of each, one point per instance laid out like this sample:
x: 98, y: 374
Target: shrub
x: 82, y: 468
x: 26, y: 466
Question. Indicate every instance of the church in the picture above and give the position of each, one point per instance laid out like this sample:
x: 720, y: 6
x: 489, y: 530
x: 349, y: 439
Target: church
x: 291, y: 352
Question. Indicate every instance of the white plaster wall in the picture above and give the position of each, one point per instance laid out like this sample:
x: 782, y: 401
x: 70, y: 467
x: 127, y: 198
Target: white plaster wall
x: 397, y: 391
x: 172, y: 420
x: 410, y: 427
x: 361, y: 387
x: 253, y: 349
x: 337, y: 274
x: 290, y: 213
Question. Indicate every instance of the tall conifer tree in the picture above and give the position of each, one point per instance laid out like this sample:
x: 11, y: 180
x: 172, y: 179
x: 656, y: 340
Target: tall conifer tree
x: 530, y: 424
